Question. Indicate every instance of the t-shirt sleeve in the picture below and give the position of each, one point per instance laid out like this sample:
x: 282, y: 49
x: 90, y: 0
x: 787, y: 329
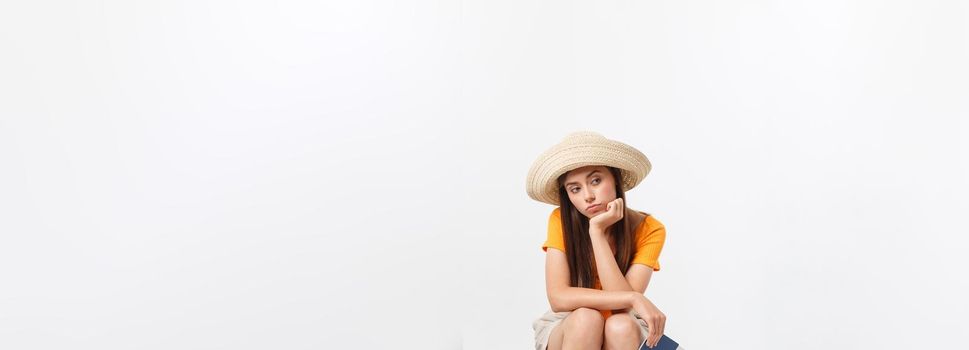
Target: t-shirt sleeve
x: 556, y: 238
x: 650, y: 243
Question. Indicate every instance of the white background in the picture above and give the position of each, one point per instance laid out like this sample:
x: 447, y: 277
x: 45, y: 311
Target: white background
x: 350, y: 174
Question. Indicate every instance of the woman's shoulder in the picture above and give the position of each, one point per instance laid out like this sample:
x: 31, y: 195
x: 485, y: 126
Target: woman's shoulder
x: 649, y: 223
x: 555, y: 220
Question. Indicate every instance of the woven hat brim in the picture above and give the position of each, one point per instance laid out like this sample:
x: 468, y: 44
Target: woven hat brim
x: 542, y: 180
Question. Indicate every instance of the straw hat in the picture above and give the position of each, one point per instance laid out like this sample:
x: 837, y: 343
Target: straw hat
x: 579, y: 149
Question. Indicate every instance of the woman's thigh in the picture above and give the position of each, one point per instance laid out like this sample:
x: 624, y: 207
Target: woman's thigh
x: 583, y: 320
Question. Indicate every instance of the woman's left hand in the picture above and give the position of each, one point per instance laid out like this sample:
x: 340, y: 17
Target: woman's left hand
x: 614, y: 212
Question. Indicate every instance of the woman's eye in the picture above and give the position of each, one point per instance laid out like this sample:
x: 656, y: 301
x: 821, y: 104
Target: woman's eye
x: 595, y: 181
x: 573, y: 189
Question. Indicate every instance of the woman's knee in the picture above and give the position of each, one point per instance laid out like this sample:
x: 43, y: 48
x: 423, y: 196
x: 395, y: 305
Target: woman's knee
x: 587, y: 318
x: 621, y: 325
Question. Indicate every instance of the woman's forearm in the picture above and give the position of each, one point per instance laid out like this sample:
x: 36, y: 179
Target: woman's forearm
x: 571, y: 298
x: 606, y: 266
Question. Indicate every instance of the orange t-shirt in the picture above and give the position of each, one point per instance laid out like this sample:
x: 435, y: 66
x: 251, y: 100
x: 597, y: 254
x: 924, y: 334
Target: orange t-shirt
x: 650, y: 236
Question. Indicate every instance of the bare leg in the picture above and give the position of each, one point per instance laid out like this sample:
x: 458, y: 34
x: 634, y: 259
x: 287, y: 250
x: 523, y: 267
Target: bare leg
x: 622, y: 332
x: 580, y: 330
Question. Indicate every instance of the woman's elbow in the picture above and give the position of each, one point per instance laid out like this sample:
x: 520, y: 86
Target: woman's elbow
x: 555, y: 300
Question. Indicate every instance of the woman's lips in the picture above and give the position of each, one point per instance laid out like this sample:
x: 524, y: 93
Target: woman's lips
x: 594, y: 208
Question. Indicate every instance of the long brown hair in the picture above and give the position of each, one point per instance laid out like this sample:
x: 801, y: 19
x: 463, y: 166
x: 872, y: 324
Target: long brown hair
x: 578, y: 244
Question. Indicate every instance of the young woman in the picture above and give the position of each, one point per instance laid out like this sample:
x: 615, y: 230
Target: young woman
x: 605, y: 253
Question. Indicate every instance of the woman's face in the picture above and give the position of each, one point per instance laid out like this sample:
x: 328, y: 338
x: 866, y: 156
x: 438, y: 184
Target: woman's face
x: 590, y: 188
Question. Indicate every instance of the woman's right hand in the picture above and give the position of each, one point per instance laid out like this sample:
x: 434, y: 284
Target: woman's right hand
x: 613, y: 213
x: 654, y: 318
